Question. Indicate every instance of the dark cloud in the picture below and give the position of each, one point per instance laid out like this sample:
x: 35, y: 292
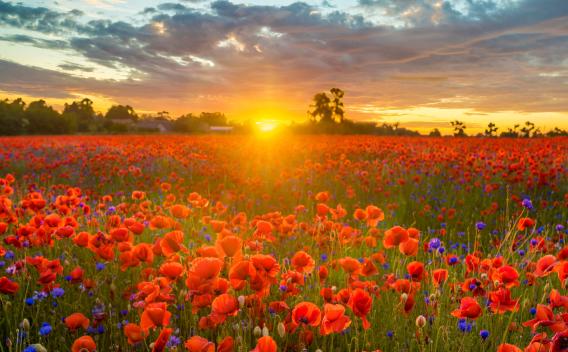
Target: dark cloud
x: 69, y: 66
x: 37, y: 42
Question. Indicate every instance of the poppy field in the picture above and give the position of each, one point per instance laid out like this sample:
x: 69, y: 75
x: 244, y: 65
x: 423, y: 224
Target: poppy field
x: 290, y: 243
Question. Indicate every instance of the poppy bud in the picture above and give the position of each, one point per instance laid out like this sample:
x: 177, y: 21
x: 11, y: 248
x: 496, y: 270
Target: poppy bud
x: 281, y: 329
x: 483, y: 276
x: 265, y: 331
x: 420, y: 321
x: 257, y: 331
x: 404, y: 297
x: 241, y: 300
x: 152, y: 345
x: 25, y: 324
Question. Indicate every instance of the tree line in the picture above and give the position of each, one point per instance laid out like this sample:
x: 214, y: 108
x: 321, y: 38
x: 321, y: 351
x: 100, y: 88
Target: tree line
x: 19, y: 118
x: 326, y: 114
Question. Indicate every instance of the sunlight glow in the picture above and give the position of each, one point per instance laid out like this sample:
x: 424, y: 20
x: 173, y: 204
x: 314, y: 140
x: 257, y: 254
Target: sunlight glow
x: 265, y: 126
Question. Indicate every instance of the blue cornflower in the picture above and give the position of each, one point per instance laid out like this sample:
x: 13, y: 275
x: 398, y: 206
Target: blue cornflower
x: 45, y: 329
x: 484, y: 334
x: 57, y: 292
x: 435, y: 243
x: 480, y: 225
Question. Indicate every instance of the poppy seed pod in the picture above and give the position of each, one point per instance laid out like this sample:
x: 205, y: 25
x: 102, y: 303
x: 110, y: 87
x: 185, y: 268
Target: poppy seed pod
x: 39, y: 347
x: 420, y: 321
x: 25, y: 324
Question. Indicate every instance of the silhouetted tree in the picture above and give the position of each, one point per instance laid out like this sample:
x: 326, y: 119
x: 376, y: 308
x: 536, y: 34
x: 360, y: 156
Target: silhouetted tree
x: 12, y: 117
x: 556, y: 132
x: 325, y: 109
x: 435, y: 133
x: 85, y: 114
x: 511, y: 132
x: 163, y: 115
x: 213, y: 118
x: 337, y: 104
x: 43, y: 119
x: 121, y: 112
x: 459, y: 128
x: 529, y: 130
x: 491, y: 130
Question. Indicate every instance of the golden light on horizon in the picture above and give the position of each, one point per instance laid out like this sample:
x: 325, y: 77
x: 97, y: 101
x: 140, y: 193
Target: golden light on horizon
x: 266, y: 126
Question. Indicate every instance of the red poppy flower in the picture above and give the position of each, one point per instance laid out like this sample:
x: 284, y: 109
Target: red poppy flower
x: 306, y: 313
x: 360, y: 303
x: 8, y: 286
x: 199, y: 344
x: 84, y: 344
x: 469, y: 308
x: 334, y: 320
x: 265, y: 344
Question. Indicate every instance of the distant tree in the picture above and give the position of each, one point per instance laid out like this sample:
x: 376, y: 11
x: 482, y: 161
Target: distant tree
x: 529, y: 130
x: 556, y: 132
x: 85, y: 114
x: 163, y: 115
x: 459, y: 128
x: 511, y: 132
x: 43, y: 119
x: 337, y: 104
x: 435, y: 133
x: 491, y: 130
x: 325, y: 109
x: 213, y: 118
x: 186, y: 123
x: 121, y: 112
x: 12, y: 117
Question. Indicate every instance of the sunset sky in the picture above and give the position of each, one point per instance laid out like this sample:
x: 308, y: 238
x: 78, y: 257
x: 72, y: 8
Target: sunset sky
x: 418, y: 62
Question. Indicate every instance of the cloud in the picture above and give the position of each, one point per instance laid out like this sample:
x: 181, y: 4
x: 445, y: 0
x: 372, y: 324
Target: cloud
x: 485, y: 55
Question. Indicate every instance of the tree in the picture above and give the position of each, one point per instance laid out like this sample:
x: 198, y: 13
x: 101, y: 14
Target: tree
x: 213, y: 118
x: 186, y: 123
x: 337, y: 105
x: 491, y: 130
x: 435, y: 133
x: 529, y: 130
x: 43, y: 119
x: 327, y: 109
x: 459, y: 128
x: 556, y: 132
x: 12, y: 117
x: 511, y: 132
x: 84, y: 112
x: 163, y: 115
x: 121, y: 112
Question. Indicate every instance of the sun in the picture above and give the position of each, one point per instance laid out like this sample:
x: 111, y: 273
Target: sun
x: 266, y: 126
